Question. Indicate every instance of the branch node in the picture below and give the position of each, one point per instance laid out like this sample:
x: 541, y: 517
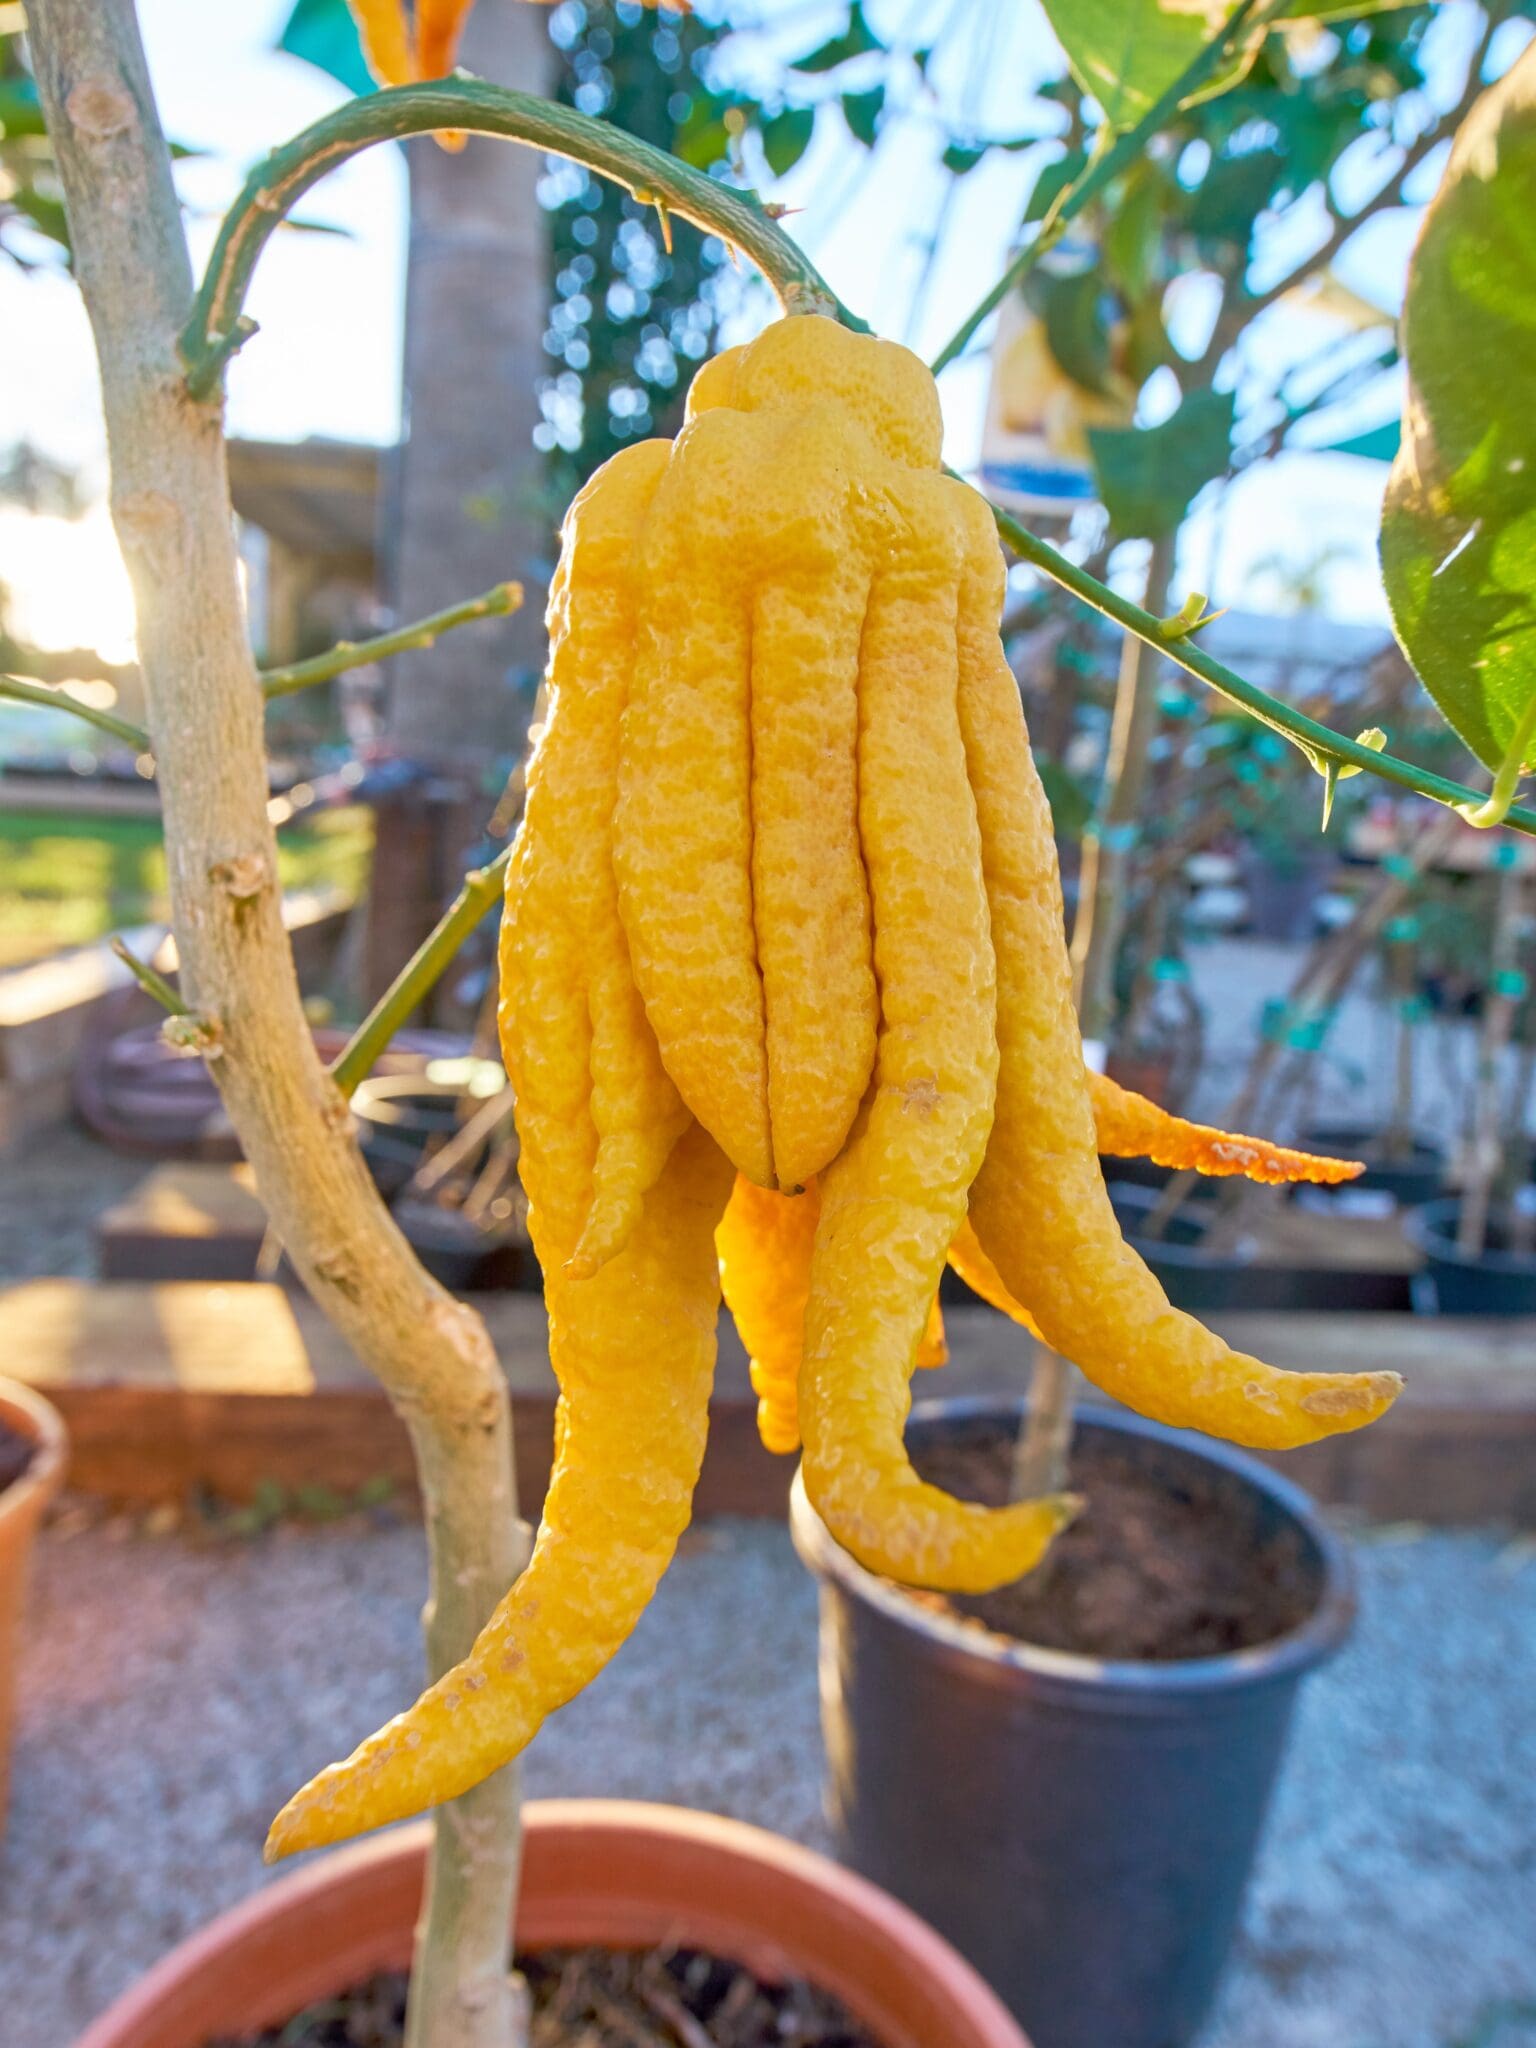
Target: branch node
x: 244, y: 876
x: 335, y: 1268
x: 191, y: 1033
x: 99, y: 111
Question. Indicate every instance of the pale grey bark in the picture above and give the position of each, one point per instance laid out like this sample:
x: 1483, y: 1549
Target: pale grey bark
x: 170, y: 502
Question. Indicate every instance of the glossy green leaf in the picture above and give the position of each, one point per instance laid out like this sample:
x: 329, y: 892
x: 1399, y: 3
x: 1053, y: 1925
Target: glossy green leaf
x: 862, y: 111
x: 1071, y: 805
x: 787, y: 137
x: 1133, y: 232
x: 961, y: 157
x: 1074, y: 308
x: 1150, y: 476
x: 1458, y: 534
x: 857, y: 40
x: 1054, y: 178
x: 1127, y: 53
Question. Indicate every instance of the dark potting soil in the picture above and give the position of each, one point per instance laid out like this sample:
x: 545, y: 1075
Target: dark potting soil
x: 604, y: 1998
x: 1148, y: 1572
x: 15, y: 1455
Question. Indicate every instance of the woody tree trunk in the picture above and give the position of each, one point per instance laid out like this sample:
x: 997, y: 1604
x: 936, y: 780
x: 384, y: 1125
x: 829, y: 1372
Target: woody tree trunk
x: 170, y: 502
x: 462, y: 500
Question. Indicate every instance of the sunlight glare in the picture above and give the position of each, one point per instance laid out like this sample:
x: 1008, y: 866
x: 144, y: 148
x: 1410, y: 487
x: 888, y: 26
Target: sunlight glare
x: 65, y: 582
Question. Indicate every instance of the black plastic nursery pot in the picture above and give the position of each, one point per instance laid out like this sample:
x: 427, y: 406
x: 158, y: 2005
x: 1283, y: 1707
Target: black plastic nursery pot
x: 1082, y: 1830
x: 1415, y: 1173
x: 1497, y: 1282
x: 1200, y: 1280
x: 398, y: 1117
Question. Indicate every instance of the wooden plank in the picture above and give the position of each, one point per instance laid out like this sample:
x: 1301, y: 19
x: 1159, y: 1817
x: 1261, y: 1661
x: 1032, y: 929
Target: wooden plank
x: 175, y: 1387
x: 47, y: 1006
x: 185, y: 1220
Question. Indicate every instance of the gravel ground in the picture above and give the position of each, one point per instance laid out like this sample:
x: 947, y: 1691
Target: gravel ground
x: 177, y: 1687
x: 53, y: 1185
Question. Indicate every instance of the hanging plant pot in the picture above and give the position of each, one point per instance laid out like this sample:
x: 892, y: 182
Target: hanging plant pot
x: 1410, y: 1173
x: 1080, y: 1824
x: 596, y: 1873
x: 1498, y: 1281
x: 33, y: 1454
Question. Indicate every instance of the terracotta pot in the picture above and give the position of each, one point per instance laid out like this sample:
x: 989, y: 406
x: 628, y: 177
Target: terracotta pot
x: 596, y: 1872
x: 21, y: 1510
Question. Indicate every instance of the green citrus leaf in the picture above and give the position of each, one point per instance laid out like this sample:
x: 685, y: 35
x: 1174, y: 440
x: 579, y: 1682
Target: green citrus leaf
x: 1127, y: 53
x: 787, y: 137
x: 1150, y: 476
x: 857, y: 40
x: 1458, y: 530
x: 862, y: 111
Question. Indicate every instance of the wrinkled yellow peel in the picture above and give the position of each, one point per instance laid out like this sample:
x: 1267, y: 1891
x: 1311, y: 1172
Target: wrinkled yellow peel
x: 1128, y: 1126
x: 784, y: 913
x: 1039, y: 1205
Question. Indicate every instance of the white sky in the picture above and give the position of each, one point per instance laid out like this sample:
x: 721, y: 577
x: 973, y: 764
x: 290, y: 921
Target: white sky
x: 327, y: 358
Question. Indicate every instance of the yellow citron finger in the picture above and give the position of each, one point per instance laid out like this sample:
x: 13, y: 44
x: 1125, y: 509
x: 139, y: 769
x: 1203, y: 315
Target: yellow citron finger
x: 893, y: 1199
x: 1039, y: 1206
x: 933, y: 1345
x: 810, y: 903
x: 546, y: 1036
x: 683, y: 828
x: 385, y: 34
x: 783, y: 435
x: 982, y: 1277
x: 1128, y: 1126
x: 634, y: 1351
x: 764, y: 1244
x: 637, y: 1111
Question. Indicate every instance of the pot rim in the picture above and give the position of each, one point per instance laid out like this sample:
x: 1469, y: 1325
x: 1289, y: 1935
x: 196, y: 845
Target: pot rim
x: 840, y: 1896
x: 1103, y: 1681
x: 1422, y: 1226
x: 30, y: 1415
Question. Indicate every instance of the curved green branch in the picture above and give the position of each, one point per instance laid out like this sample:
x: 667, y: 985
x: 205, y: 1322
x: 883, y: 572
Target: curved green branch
x: 218, y: 327
x: 480, y: 890
x: 498, y: 602
x: 1319, y: 742
x: 1495, y: 808
x: 18, y: 691
x: 1108, y: 162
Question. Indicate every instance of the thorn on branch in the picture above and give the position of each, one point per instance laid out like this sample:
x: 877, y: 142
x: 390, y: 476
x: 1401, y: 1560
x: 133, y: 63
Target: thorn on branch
x: 646, y: 197
x: 1189, y: 618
